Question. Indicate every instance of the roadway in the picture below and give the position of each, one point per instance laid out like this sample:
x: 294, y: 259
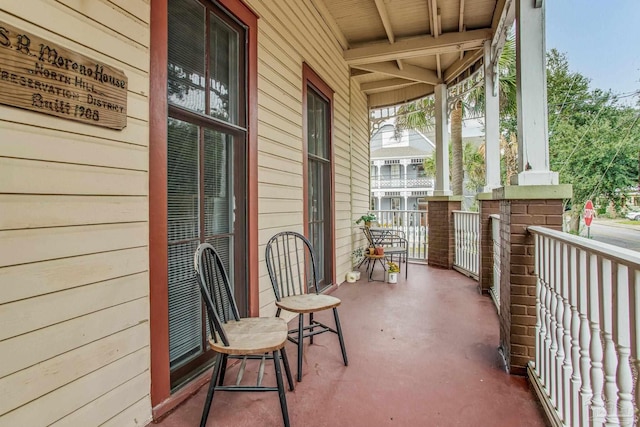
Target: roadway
x: 608, y: 231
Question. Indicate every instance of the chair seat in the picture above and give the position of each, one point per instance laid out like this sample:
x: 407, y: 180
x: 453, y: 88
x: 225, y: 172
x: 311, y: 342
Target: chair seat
x: 394, y: 250
x: 253, y: 335
x: 308, y: 303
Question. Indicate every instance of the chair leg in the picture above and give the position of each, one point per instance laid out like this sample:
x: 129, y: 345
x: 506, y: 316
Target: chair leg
x: 339, y: 329
x: 287, y: 370
x: 406, y: 266
x: 212, y: 387
x: 281, y: 395
x: 311, y: 329
x: 223, y: 369
x: 300, y: 333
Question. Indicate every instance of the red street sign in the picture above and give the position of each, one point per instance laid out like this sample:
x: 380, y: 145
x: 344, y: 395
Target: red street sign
x: 588, y: 213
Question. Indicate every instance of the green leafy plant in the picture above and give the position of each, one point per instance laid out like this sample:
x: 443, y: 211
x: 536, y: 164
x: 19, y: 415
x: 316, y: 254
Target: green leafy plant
x: 393, y: 267
x: 357, y: 255
x: 366, y: 218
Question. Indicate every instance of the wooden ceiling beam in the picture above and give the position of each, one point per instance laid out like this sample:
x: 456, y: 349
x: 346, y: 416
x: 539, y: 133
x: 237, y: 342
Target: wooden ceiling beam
x: 399, y: 96
x: 355, y: 72
x: 388, y: 84
x: 415, y: 47
x: 409, y: 72
x: 461, y: 65
x: 434, y: 18
x: 386, y: 23
x: 384, y: 17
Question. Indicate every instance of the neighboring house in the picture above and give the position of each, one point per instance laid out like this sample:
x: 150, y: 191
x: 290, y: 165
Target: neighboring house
x: 398, y: 181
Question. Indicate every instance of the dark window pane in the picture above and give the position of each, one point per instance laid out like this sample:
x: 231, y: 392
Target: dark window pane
x: 182, y: 185
x: 185, y: 307
x: 317, y: 125
x: 186, y: 82
x: 218, y: 182
x: 223, y: 71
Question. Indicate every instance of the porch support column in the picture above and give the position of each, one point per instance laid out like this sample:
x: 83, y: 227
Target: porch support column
x: 521, y: 207
x: 405, y: 163
x: 533, y: 141
x: 443, y: 187
x: 492, y: 120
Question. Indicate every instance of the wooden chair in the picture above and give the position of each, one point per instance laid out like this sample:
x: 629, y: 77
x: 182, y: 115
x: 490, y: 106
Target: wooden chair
x: 261, y: 338
x: 292, y: 267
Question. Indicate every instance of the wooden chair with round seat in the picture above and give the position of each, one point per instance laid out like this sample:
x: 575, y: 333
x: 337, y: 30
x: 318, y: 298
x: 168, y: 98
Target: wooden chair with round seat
x: 293, y: 271
x: 260, y: 338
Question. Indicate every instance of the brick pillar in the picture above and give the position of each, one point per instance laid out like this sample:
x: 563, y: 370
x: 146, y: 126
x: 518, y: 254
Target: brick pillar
x: 517, y: 280
x: 488, y: 207
x: 441, y: 234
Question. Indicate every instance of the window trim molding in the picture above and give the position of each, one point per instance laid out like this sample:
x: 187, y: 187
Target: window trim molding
x: 162, y: 400
x: 310, y: 77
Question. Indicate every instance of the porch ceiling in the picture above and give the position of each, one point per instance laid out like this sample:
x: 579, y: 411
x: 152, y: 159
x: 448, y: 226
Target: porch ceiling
x: 399, y: 50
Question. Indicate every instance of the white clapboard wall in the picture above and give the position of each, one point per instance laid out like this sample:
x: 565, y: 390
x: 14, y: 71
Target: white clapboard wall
x: 292, y: 32
x: 74, y: 282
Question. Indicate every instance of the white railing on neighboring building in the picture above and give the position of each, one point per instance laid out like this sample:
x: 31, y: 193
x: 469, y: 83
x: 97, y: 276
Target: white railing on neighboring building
x: 378, y: 182
x: 413, y: 224
x: 587, y: 330
x: 466, y: 241
x: 495, y: 238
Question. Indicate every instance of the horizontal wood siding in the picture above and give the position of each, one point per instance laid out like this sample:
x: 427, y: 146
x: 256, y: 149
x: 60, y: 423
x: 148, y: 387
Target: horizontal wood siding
x: 292, y: 32
x: 74, y: 282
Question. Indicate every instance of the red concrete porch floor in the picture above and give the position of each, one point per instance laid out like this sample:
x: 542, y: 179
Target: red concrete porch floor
x: 422, y: 352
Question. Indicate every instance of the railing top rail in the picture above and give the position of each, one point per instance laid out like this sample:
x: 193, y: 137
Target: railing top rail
x: 616, y: 253
x: 466, y: 212
x: 495, y: 216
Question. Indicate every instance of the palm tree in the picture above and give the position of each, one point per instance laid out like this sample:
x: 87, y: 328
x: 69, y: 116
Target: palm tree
x: 419, y: 114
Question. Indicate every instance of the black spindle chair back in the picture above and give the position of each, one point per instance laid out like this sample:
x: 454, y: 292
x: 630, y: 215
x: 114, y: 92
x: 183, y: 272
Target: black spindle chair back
x: 290, y: 275
x: 216, y: 291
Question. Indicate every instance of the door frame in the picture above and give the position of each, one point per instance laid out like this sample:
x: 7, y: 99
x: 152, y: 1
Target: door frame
x: 162, y: 400
x: 311, y: 78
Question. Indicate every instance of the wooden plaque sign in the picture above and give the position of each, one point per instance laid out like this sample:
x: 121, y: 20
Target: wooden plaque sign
x: 41, y: 76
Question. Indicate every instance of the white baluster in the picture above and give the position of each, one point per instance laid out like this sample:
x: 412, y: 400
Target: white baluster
x: 610, y: 357
x: 540, y: 309
x: 547, y: 340
x: 566, y: 328
x: 595, y: 350
x: 622, y: 332
x: 585, y: 339
x: 553, y: 327
x: 634, y: 322
x: 574, y: 302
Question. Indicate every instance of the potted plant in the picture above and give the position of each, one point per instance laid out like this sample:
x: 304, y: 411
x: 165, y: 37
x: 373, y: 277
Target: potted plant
x: 356, y: 256
x: 392, y: 272
x: 367, y: 218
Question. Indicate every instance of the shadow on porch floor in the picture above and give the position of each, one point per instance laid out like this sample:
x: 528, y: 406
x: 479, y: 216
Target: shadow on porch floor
x: 422, y: 352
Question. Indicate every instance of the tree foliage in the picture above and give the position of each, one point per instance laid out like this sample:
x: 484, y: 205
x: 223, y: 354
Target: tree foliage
x: 593, y: 140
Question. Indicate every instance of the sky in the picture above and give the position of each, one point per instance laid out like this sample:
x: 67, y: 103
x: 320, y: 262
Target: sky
x: 601, y: 39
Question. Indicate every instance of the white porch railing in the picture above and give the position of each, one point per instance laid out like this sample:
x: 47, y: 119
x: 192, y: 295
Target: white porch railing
x: 587, y: 330
x: 413, y: 224
x: 495, y: 237
x: 467, y: 240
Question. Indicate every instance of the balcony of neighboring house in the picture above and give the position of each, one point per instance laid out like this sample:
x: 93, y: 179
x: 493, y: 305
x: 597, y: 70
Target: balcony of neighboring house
x: 399, y: 183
